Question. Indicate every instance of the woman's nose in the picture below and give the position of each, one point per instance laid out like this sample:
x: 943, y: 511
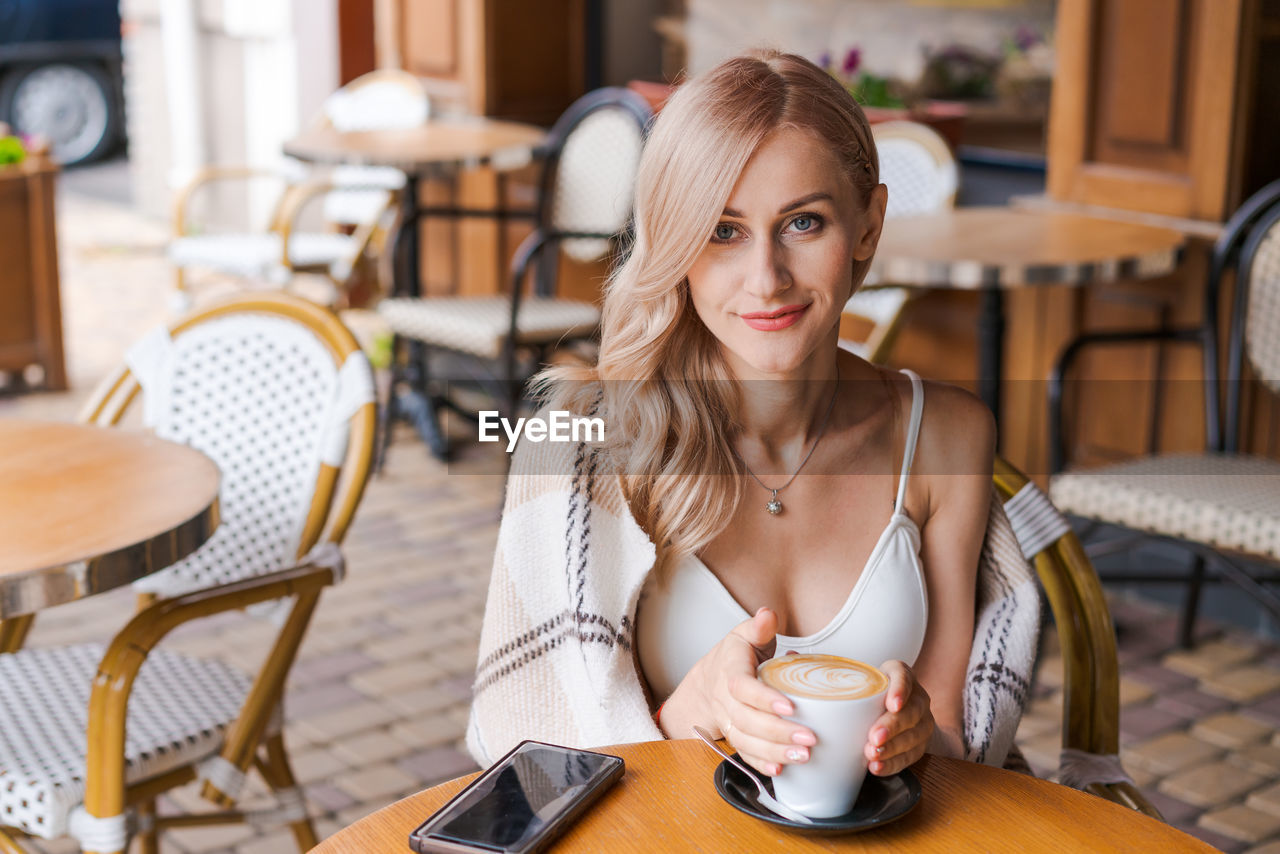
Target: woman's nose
x: 767, y: 273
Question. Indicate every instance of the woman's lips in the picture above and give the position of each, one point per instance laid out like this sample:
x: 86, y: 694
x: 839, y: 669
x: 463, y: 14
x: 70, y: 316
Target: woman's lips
x: 772, y: 321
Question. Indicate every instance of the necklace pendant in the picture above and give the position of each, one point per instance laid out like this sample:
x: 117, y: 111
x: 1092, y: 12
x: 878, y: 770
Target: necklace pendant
x: 774, y: 506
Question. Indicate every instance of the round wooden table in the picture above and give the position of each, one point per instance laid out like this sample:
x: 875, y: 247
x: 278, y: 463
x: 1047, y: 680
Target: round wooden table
x: 87, y: 509
x: 667, y: 802
x: 439, y: 144
x: 994, y: 249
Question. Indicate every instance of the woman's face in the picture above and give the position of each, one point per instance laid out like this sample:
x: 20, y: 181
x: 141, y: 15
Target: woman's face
x: 778, y: 267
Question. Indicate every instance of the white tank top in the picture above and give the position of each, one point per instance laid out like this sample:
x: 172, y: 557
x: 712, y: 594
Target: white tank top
x: 883, y: 618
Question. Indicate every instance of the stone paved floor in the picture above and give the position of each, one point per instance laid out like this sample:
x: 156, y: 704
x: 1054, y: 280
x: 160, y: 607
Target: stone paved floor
x: 378, y: 699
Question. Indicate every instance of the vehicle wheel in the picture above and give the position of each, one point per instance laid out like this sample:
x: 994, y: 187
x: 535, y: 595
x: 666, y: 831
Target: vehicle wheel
x: 73, y: 105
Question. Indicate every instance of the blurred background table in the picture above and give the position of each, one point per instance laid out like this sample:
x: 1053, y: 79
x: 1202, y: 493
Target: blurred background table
x: 440, y: 148
x: 87, y: 509
x: 994, y: 249
x: 668, y: 802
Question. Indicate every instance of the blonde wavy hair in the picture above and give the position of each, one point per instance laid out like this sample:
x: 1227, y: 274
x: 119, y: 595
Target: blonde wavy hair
x: 660, y: 382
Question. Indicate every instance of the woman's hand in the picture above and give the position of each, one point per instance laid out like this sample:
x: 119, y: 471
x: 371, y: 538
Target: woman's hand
x: 902, y: 733
x: 722, y: 694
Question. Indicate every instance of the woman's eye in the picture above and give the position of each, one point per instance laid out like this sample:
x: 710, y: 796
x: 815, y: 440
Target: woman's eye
x: 724, y: 231
x: 805, y: 223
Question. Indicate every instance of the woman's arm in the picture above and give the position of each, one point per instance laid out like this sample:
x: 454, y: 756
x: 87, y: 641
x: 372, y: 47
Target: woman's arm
x: 954, y: 463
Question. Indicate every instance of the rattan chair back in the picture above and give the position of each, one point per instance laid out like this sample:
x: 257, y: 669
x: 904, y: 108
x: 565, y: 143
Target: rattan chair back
x: 917, y: 167
x: 277, y: 392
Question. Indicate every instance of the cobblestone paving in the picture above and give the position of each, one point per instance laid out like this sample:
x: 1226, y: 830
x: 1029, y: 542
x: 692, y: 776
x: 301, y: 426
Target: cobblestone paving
x: 377, y: 701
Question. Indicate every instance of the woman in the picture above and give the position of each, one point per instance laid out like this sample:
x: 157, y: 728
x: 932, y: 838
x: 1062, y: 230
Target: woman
x: 759, y: 490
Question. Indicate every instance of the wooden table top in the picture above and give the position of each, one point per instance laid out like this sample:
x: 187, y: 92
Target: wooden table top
x: 668, y: 802
x: 461, y: 141
x: 977, y: 248
x: 86, y: 509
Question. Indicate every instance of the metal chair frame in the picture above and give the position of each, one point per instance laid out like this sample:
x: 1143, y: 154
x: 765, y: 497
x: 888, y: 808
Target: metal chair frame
x: 503, y: 378
x: 1235, y: 248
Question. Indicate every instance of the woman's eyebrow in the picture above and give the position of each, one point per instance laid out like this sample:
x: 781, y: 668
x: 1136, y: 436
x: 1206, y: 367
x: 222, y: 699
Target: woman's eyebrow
x: 789, y: 206
x: 805, y: 200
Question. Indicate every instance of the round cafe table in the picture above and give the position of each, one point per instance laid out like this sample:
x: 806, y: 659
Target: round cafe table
x: 437, y: 148
x: 667, y: 802
x: 87, y: 509
x: 993, y: 249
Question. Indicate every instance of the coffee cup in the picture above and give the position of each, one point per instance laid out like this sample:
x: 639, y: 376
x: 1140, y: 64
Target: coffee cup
x: 839, y: 699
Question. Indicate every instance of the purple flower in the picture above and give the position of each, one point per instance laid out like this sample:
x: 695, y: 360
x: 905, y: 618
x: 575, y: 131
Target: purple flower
x: 824, y: 61
x: 1025, y: 37
x: 852, y: 60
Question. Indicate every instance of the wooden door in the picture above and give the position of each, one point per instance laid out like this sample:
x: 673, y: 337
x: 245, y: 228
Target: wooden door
x: 523, y: 60
x: 1144, y: 104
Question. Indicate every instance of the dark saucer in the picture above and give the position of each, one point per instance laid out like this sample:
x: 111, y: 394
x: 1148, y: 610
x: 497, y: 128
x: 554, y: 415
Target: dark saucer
x: 882, y: 800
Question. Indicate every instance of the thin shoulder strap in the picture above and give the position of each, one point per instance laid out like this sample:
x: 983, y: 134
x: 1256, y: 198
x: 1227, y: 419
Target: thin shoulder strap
x: 913, y: 433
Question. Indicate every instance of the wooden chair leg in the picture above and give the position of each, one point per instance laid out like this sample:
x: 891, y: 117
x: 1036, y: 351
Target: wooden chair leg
x: 148, y: 841
x: 275, y: 769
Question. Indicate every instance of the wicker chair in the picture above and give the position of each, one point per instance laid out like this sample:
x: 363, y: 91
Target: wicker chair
x: 1220, y: 503
x: 592, y: 153
x: 355, y: 199
x: 275, y: 390
x: 920, y: 172
x: 1091, y: 683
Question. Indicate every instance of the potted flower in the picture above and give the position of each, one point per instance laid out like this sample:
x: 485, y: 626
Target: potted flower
x: 886, y: 98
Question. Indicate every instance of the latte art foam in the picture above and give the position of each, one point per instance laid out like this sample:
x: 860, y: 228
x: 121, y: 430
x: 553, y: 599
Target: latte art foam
x: 823, y: 677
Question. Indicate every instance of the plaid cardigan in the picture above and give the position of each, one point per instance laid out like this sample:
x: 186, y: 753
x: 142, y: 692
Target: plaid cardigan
x: 557, y: 662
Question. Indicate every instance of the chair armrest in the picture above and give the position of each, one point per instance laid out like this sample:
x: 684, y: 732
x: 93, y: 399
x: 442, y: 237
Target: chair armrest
x: 296, y: 198
x: 1118, y: 337
x: 108, y: 702
x: 535, y: 244
x: 149, y: 626
x: 208, y: 175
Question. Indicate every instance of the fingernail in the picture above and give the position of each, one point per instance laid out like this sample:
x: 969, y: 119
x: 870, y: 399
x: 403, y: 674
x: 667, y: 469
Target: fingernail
x: 880, y: 736
x: 880, y: 751
x: 797, y: 754
x: 808, y: 739
x: 775, y: 770
x: 876, y: 767
x: 783, y: 708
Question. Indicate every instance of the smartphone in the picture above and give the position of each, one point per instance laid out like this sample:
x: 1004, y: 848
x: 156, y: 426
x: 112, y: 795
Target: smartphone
x: 522, y: 803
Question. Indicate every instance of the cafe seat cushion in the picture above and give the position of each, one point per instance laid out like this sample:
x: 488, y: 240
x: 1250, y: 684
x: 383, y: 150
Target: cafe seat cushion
x: 177, y: 714
x: 259, y: 255
x: 480, y: 325
x: 1229, y: 502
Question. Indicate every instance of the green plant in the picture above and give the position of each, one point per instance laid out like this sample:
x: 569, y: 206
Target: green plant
x: 11, y: 150
x: 870, y: 90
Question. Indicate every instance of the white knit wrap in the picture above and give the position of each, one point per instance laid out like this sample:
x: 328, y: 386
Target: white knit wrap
x: 557, y: 659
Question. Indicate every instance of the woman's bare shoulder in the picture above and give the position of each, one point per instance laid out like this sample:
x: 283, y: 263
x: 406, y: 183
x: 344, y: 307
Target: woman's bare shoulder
x: 957, y: 435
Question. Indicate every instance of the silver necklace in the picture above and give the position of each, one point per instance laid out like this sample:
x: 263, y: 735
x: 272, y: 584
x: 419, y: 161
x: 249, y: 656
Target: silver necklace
x: 775, y: 506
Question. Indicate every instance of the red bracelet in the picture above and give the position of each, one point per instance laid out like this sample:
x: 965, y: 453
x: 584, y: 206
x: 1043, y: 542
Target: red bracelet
x: 657, y: 716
